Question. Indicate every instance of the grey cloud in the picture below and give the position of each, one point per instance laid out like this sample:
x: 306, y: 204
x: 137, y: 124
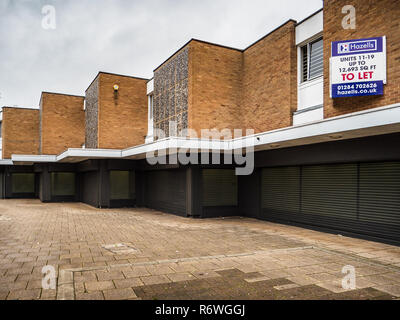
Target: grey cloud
x: 122, y: 36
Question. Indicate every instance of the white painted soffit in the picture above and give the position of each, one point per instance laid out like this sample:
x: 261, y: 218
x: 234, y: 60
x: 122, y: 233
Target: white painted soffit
x: 68, y: 156
x: 371, y: 122
x: 383, y: 120
x: 83, y: 154
x: 33, y: 158
x: 177, y: 143
x: 6, y: 162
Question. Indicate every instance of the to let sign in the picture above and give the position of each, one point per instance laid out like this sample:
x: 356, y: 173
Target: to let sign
x: 358, y: 67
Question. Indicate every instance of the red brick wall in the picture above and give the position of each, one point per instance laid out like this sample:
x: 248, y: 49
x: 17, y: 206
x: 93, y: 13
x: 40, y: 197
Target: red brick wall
x: 20, y: 132
x: 270, y: 81
x: 214, y: 87
x: 122, y: 118
x: 251, y: 89
x: 375, y: 18
x: 62, y: 122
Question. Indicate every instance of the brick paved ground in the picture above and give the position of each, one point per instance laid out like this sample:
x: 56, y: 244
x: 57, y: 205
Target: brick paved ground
x: 144, y: 254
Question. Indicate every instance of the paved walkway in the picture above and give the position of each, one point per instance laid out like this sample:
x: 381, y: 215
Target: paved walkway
x: 145, y: 254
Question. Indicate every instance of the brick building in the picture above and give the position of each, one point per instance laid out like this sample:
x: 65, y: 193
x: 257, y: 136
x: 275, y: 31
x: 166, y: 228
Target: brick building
x: 319, y: 162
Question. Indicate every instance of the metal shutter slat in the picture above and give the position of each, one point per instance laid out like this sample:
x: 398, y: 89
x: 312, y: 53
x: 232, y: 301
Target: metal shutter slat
x: 356, y: 198
x: 220, y: 188
x: 380, y: 193
x: 281, y: 191
x: 166, y: 191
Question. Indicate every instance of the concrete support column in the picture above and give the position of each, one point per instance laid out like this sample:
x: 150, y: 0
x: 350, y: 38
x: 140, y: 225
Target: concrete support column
x: 193, y: 192
x: 45, y: 184
x: 104, y: 185
x: 140, y: 189
x: 1, y: 185
x: 250, y: 194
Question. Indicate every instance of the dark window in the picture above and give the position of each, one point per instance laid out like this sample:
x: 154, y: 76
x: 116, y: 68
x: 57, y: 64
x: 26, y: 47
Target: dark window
x: 220, y: 188
x: 63, y: 184
x: 304, y: 61
x: 122, y: 184
x: 23, y: 183
x: 316, y: 59
x: 312, y: 58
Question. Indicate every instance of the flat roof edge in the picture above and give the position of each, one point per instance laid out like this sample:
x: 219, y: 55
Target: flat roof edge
x: 372, y: 118
x: 310, y: 16
x: 62, y: 94
x: 270, y: 33
x: 115, y: 74
x: 23, y: 108
x: 166, y: 60
x: 6, y: 162
x: 123, y: 75
x: 223, y: 46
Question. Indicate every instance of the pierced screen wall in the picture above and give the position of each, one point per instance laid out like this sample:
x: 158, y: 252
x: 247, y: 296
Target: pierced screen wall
x: 92, y: 114
x: 171, y: 93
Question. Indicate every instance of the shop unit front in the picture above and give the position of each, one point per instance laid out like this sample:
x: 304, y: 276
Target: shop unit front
x: 165, y: 190
x: 354, y: 198
x: 20, y: 183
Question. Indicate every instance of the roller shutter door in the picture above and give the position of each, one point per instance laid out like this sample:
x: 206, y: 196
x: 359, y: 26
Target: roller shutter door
x: 280, y: 193
x: 220, y: 188
x: 90, y: 190
x: 356, y: 198
x: 379, y: 208
x: 1, y: 186
x: 166, y: 191
x: 329, y: 196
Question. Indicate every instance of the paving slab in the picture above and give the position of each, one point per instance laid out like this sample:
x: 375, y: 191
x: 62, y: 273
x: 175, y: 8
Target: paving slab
x: 128, y: 254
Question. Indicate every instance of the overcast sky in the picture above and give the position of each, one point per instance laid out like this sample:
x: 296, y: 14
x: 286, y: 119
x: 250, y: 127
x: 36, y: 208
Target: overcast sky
x: 129, y: 37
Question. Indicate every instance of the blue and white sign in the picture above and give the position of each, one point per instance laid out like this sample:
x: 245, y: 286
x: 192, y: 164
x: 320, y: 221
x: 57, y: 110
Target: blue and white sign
x: 358, y: 67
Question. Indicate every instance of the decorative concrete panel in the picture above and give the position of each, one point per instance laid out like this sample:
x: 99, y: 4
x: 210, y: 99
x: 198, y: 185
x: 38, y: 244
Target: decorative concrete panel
x: 171, y: 93
x: 92, y: 115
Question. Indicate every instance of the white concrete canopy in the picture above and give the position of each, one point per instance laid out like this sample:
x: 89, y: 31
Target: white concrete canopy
x: 378, y: 121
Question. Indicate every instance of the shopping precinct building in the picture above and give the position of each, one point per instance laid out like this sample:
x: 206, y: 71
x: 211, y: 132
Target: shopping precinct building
x: 323, y: 99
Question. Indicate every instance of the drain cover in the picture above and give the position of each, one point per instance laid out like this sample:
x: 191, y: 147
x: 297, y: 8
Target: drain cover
x: 120, y: 248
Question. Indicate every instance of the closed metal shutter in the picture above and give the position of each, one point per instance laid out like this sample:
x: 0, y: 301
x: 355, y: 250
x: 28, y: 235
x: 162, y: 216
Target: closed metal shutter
x: 220, y: 188
x: 330, y: 191
x: 166, y: 191
x: 90, y: 190
x: 354, y: 198
x: 380, y: 198
x: 330, y: 197
x: 1, y: 185
x: 280, y: 192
